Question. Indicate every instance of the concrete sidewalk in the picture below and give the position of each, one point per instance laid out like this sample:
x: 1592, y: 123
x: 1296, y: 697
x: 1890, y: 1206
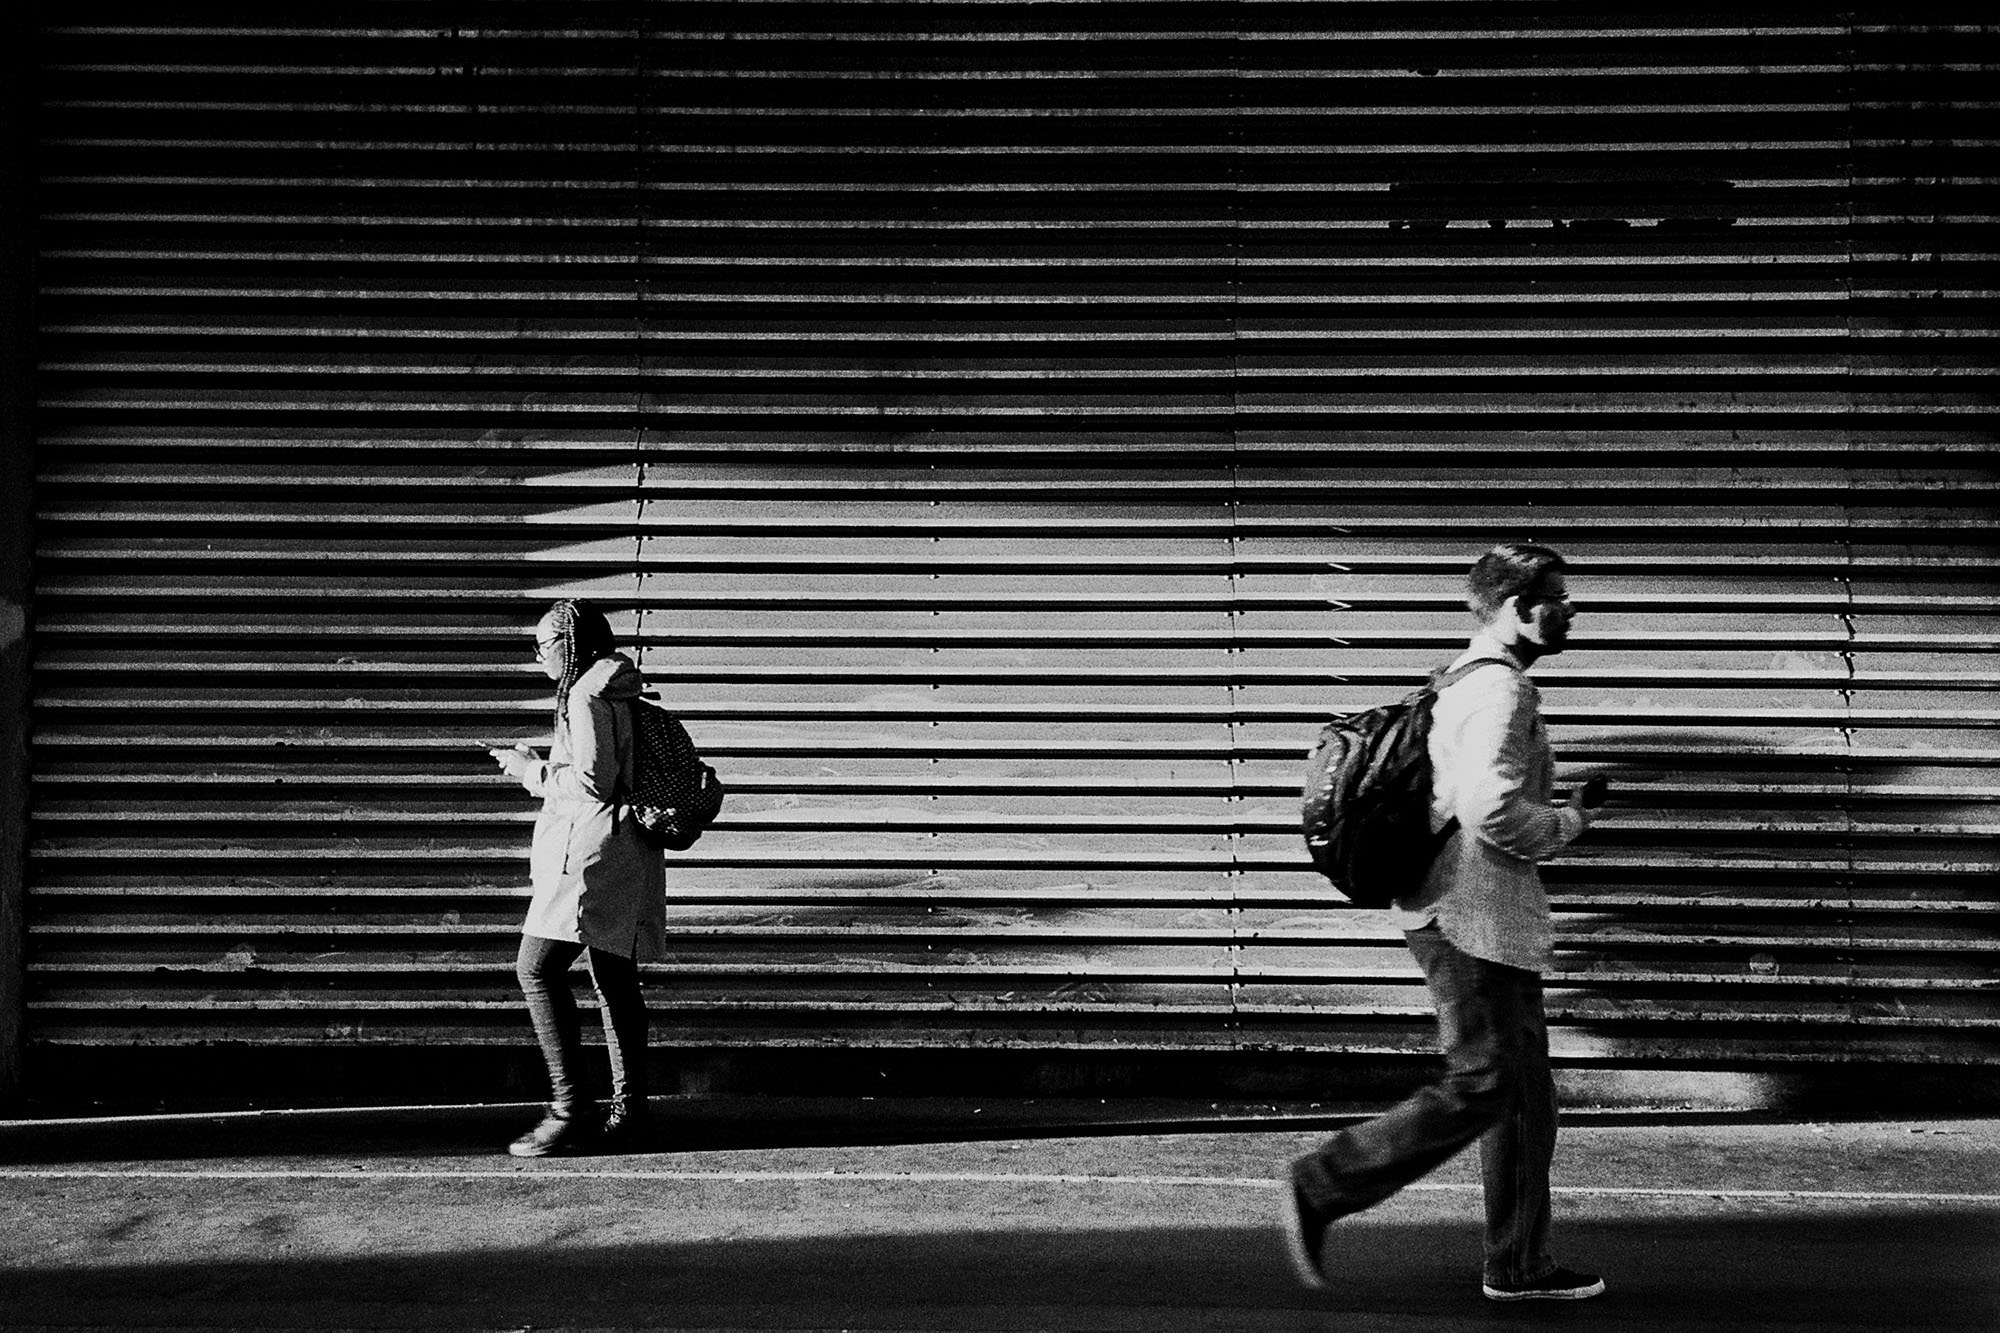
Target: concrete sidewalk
x: 902, y: 1215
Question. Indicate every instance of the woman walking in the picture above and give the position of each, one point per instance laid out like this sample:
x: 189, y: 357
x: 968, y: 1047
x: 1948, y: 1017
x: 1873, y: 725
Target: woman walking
x: 599, y: 890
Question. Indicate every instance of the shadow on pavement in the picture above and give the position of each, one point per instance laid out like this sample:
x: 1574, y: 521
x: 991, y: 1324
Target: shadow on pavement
x: 1928, y: 1268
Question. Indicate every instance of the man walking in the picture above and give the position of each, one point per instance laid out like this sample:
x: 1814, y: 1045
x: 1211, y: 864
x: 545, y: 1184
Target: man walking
x: 1479, y: 927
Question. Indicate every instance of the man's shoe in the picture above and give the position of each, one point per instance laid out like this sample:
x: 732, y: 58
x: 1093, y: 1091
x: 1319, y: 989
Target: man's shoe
x: 556, y: 1136
x: 1304, y: 1234
x: 1561, y: 1285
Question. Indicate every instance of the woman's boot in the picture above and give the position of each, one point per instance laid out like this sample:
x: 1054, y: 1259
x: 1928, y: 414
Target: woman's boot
x: 629, y: 1127
x: 562, y: 1133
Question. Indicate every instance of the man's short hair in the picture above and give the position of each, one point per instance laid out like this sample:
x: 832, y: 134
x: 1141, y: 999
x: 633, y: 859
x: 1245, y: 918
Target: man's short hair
x: 1506, y: 572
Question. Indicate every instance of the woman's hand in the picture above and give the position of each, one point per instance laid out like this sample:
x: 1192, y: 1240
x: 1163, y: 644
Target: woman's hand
x: 516, y: 761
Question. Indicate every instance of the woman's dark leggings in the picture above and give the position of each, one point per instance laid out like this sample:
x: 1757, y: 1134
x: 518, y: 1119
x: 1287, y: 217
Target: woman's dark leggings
x: 543, y: 969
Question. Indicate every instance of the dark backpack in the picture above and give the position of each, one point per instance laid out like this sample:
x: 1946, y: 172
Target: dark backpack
x: 1366, y: 807
x: 674, y: 794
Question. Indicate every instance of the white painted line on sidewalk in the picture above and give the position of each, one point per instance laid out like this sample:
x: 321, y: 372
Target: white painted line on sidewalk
x: 946, y: 1178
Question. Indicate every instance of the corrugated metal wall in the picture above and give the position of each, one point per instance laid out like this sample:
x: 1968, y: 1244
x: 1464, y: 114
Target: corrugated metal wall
x: 1007, y: 430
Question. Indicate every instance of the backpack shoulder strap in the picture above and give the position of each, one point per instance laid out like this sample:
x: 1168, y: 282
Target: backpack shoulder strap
x: 1439, y: 681
x: 1443, y: 679
x: 626, y: 719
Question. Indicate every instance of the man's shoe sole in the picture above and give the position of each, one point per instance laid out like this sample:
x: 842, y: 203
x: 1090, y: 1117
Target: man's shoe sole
x: 1553, y: 1294
x: 1293, y: 1228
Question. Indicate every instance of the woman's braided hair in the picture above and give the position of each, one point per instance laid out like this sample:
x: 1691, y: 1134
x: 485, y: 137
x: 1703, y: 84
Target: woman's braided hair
x: 586, y: 639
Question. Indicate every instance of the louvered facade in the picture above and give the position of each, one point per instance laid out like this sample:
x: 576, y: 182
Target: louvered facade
x: 1006, y: 431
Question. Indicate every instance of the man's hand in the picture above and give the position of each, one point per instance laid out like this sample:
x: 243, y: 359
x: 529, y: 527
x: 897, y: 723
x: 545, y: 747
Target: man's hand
x: 1590, y: 795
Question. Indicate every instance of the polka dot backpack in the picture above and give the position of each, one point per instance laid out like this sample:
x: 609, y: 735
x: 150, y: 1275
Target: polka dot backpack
x: 674, y: 796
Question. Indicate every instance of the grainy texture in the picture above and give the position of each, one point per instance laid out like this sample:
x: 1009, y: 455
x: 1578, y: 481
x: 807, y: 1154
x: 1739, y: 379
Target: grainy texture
x: 17, y: 439
x: 1006, y: 431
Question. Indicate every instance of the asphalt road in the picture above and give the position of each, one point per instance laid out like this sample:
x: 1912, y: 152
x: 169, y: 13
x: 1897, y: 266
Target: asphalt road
x: 751, y: 1221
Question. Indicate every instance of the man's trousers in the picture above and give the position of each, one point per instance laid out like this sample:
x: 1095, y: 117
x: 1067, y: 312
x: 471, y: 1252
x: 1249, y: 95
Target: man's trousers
x: 1496, y: 1089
